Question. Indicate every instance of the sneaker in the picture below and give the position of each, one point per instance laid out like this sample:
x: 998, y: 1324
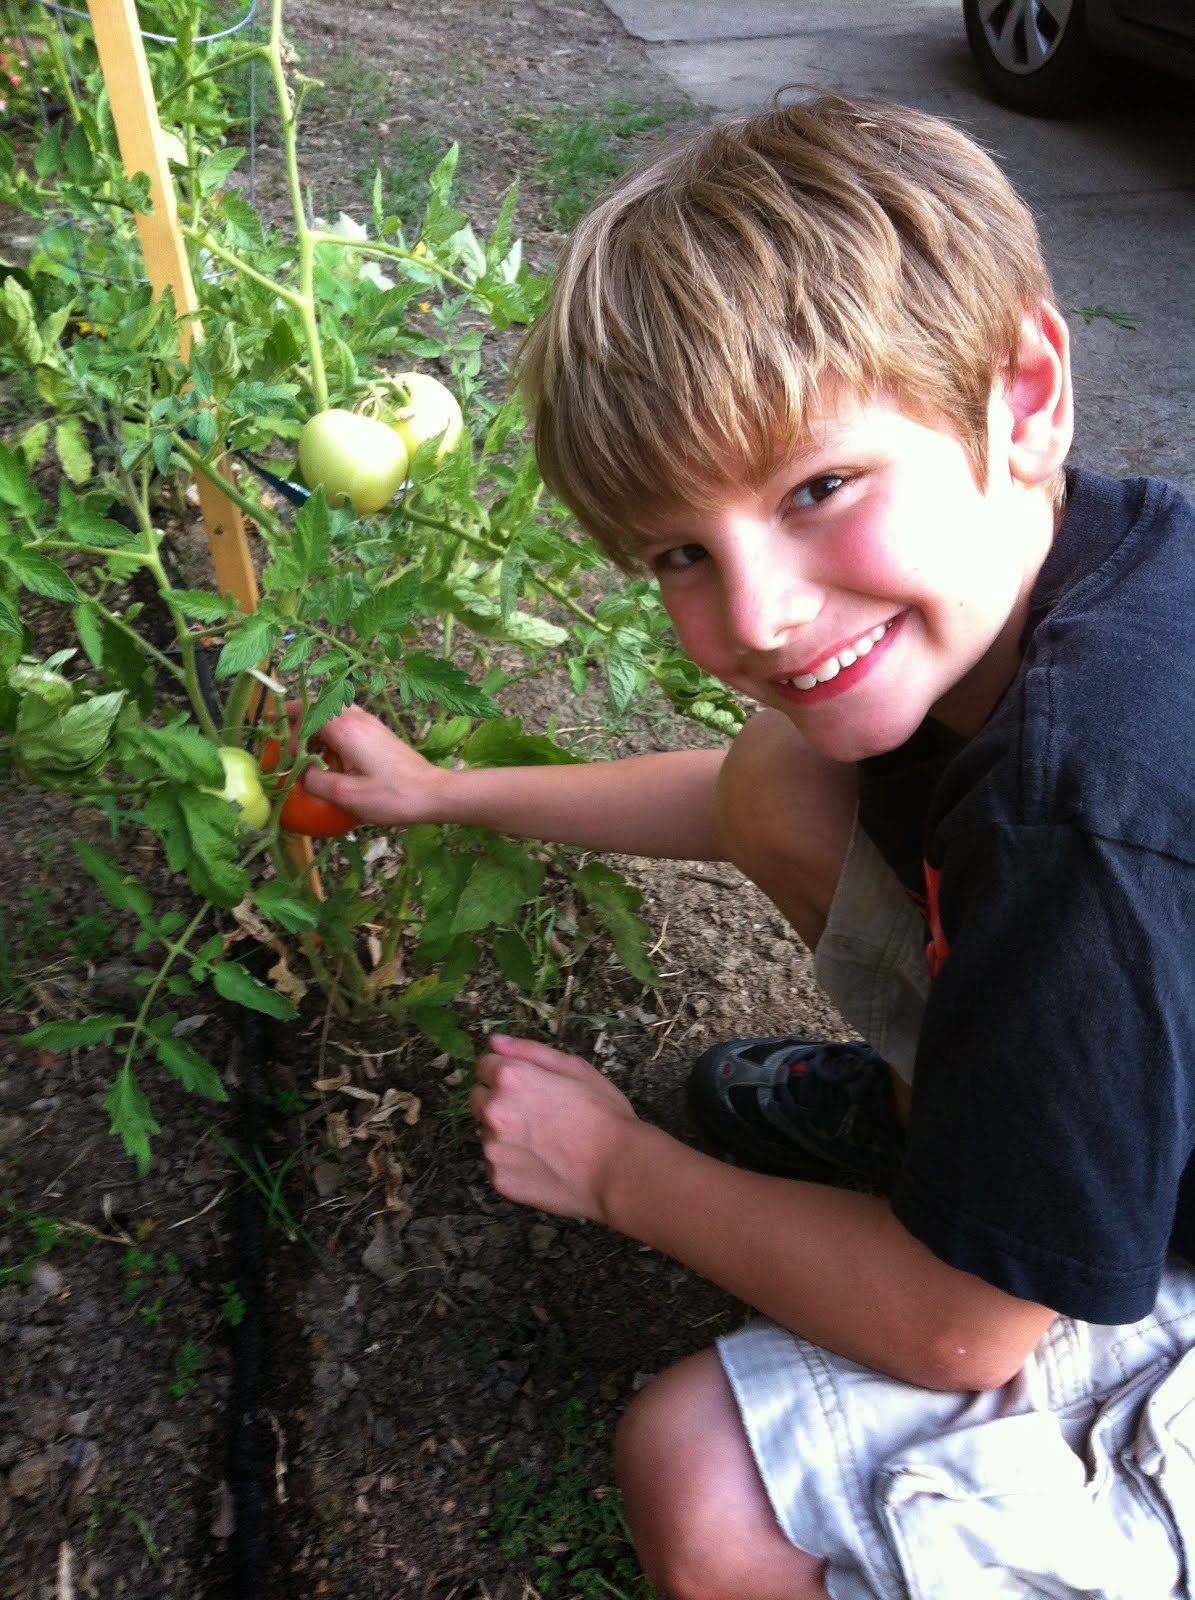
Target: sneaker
x: 800, y: 1109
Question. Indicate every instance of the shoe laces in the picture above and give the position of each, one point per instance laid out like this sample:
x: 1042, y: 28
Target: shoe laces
x: 843, y: 1090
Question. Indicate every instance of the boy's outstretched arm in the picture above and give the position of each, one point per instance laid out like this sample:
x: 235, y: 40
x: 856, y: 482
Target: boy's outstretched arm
x: 656, y: 805
x: 832, y: 1265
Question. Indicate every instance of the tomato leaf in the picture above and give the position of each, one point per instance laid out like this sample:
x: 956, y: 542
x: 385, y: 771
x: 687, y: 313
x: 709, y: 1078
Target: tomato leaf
x: 253, y: 641
x: 38, y: 573
x: 243, y: 989
x: 614, y: 902
x: 181, y: 752
x: 502, y: 743
x: 197, y: 832
x: 196, y: 1075
x: 73, y: 1035
x: 283, y: 906
x: 426, y: 677
x: 126, y: 893
x: 130, y: 1117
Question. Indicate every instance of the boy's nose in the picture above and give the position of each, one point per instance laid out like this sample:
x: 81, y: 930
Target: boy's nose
x: 764, y: 607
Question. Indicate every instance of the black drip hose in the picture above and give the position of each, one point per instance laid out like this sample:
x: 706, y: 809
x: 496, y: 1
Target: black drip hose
x: 249, y: 1446
x: 249, y: 1449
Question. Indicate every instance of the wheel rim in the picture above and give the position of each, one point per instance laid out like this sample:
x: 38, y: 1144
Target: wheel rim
x: 1023, y: 35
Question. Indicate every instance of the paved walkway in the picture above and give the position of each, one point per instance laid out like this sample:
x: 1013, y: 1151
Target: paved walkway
x: 1114, y: 195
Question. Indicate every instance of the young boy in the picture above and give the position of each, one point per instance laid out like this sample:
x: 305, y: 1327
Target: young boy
x: 807, y: 370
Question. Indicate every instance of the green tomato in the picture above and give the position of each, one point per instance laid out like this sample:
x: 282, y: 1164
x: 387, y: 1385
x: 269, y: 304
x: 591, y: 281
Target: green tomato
x: 426, y: 410
x: 176, y: 150
x: 242, y: 786
x: 352, y: 458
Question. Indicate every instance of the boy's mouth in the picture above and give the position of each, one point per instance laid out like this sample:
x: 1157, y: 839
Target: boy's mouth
x: 828, y: 669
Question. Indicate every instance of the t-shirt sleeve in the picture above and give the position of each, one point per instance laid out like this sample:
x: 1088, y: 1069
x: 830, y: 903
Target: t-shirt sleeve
x: 1053, y: 1106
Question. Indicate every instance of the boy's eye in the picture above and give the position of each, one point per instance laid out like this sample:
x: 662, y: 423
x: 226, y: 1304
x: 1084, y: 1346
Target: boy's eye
x: 815, y: 490
x: 679, y: 557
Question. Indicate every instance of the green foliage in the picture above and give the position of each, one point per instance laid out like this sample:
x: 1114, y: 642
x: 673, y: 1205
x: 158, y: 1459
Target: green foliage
x: 30, y: 937
x: 32, y: 1237
x: 567, y: 1534
x: 411, y: 158
x: 425, y: 612
x: 583, y: 152
x: 232, y: 1305
x: 187, y: 1361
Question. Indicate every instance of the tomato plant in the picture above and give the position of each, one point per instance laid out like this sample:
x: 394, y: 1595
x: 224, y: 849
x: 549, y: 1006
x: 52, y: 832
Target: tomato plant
x: 303, y: 812
x: 464, y: 581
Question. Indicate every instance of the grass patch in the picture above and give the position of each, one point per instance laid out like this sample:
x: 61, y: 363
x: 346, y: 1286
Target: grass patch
x: 581, y: 153
x: 29, y: 940
x: 568, y: 1534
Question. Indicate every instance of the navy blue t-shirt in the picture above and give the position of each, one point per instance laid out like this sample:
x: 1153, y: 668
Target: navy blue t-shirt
x: 1053, y: 1115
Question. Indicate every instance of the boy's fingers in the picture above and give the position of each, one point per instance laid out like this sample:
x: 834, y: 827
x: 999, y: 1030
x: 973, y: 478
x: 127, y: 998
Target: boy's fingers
x: 540, y: 1055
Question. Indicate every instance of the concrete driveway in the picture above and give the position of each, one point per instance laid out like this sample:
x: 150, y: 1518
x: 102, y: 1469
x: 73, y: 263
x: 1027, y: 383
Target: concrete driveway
x: 1114, y: 194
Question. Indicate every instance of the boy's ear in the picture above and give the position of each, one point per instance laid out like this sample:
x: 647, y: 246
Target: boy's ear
x: 1039, y: 400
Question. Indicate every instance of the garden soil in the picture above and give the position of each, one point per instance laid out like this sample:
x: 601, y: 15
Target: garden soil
x: 441, y: 1371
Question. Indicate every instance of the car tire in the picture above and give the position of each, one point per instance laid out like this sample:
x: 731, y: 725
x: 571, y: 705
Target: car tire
x: 1034, y: 55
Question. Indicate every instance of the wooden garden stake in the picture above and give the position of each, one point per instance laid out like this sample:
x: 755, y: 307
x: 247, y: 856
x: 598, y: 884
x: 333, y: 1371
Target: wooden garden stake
x: 121, y: 52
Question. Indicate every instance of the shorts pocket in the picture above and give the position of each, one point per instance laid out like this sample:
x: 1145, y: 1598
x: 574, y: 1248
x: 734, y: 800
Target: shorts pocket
x: 1164, y: 1454
x: 1005, y: 1510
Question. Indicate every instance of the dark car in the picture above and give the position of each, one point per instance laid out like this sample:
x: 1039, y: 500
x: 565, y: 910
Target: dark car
x: 1049, y: 57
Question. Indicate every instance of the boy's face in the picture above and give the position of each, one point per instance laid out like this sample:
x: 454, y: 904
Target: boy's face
x: 870, y: 583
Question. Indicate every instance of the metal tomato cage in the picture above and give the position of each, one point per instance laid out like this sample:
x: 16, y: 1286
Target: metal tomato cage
x: 56, y: 16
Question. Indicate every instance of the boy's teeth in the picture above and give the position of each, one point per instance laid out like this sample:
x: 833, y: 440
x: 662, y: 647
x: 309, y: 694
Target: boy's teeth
x: 833, y: 665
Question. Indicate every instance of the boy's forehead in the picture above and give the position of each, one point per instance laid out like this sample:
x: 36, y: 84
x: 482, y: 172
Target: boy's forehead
x: 837, y: 422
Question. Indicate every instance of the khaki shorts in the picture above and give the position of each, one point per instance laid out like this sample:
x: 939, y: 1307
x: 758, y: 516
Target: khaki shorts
x: 1077, y: 1478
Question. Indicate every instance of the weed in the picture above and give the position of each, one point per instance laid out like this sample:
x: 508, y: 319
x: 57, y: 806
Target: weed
x: 35, y: 1237
x: 29, y: 939
x: 104, y: 1503
x: 410, y: 159
x: 187, y: 1360
x: 573, y: 1532
x: 269, y: 1186
x: 287, y: 1101
x: 1118, y: 319
x: 581, y: 153
x: 232, y: 1305
x: 355, y: 88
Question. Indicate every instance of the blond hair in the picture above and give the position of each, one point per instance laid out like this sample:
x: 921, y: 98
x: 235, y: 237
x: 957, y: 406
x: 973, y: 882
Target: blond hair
x: 700, y: 306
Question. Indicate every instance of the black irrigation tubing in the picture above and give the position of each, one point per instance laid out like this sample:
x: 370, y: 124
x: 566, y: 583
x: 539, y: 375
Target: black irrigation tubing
x: 294, y: 492
x: 249, y: 1452
x: 250, y: 1436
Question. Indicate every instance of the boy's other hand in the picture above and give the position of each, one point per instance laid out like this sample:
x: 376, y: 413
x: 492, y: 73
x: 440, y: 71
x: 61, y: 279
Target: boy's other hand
x: 381, y: 779
x: 550, y: 1126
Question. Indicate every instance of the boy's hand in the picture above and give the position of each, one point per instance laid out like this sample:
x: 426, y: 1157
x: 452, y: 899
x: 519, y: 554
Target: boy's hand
x: 550, y: 1126
x: 381, y: 778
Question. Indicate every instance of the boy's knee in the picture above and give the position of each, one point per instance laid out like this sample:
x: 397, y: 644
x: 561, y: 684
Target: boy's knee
x: 697, y: 1511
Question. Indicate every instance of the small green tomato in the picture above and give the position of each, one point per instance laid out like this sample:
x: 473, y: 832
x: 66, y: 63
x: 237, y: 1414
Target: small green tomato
x: 429, y: 409
x: 242, y: 785
x: 352, y: 458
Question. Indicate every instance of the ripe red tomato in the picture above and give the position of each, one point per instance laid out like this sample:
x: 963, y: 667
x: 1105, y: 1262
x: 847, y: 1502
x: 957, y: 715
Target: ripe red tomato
x: 303, y: 812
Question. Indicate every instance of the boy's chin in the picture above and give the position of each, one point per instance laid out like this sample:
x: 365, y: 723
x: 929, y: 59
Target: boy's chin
x: 852, y: 742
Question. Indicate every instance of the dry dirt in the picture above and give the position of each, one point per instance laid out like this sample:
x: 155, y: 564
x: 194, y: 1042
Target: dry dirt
x: 421, y: 1365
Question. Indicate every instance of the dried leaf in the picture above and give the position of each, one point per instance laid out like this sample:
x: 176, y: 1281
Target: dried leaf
x: 339, y: 1134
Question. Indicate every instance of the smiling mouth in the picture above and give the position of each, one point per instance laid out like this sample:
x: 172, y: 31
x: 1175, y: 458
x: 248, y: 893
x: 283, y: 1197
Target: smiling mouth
x: 830, y: 668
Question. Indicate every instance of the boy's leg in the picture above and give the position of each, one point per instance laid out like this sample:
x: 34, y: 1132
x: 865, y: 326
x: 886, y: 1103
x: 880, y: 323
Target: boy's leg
x: 785, y: 818
x: 699, y: 1515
